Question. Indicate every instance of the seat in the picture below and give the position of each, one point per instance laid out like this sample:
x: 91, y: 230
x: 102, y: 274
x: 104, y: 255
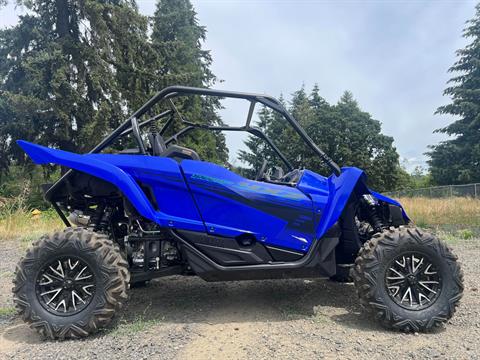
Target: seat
x: 180, y: 153
x: 157, y: 142
x: 176, y: 152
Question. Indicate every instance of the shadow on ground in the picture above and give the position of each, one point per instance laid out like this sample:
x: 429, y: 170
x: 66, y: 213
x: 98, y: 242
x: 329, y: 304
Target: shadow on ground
x: 192, y: 300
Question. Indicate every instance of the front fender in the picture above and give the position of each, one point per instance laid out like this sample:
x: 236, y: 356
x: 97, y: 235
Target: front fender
x: 340, y: 188
x: 391, y: 201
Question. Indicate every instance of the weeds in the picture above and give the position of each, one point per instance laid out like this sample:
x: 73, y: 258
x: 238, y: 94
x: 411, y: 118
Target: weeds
x: 18, y: 222
x: 459, y: 217
x: 7, y: 311
x: 453, y: 219
x: 139, y: 324
x: 458, y: 211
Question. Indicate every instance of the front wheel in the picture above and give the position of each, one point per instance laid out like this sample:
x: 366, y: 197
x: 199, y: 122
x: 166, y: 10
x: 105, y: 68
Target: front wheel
x: 410, y: 279
x: 70, y: 283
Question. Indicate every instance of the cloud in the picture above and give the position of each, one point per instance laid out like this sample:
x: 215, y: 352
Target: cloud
x: 393, y: 55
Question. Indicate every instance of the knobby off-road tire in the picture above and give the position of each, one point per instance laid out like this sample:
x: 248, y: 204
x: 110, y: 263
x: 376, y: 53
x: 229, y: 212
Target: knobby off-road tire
x: 105, y: 268
x: 394, y: 246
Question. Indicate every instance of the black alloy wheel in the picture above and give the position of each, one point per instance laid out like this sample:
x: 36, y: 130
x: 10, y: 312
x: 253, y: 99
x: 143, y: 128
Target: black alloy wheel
x: 65, y: 286
x: 413, y: 281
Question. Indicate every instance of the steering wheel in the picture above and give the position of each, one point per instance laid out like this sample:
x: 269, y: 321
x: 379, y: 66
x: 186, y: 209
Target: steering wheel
x: 137, y: 136
x: 261, y: 172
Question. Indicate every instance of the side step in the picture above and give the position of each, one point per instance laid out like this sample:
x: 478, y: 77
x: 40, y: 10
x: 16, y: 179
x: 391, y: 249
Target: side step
x: 319, y: 262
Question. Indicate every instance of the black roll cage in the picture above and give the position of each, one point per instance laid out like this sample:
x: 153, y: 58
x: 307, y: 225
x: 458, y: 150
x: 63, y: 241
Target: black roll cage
x: 172, y: 92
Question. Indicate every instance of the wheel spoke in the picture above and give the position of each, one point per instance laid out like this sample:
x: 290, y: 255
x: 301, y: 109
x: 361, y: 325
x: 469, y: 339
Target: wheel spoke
x: 415, y: 293
x: 62, y: 303
x: 84, y: 288
x: 56, y: 291
x: 65, y: 286
x: 59, y: 270
x: 48, y: 280
x: 428, y: 272
x: 394, y: 290
x: 76, y: 296
x: 396, y: 283
x: 416, y: 263
x: 402, y: 263
x: 72, y: 266
x: 399, y: 276
x: 422, y: 298
x: 412, y: 281
x: 408, y: 294
x: 422, y: 283
x: 79, y: 275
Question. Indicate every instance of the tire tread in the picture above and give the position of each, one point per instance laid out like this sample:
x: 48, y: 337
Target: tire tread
x: 364, y: 274
x: 113, y: 267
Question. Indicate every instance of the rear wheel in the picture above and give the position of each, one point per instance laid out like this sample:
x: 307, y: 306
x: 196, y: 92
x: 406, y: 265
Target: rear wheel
x: 408, y: 278
x: 70, y: 283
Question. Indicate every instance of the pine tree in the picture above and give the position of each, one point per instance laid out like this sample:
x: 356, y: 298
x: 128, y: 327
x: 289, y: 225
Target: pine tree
x: 324, y: 129
x: 63, y: 73
x: 177, y: 37
x: 361, y: 144
x: 346, y: 133
x: 258, y: 150
x: 457, y: 160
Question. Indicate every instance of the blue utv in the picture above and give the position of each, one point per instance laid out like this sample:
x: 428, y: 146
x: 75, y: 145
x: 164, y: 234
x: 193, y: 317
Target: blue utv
x: 157, y: 209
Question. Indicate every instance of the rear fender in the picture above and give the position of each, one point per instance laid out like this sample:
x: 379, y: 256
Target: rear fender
x: 95, y: 167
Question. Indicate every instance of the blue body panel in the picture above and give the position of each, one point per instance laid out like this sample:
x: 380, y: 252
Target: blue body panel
x: 329, y: 194
x: 232, y: 205
x: 205, y: 197
x: 176, y: 206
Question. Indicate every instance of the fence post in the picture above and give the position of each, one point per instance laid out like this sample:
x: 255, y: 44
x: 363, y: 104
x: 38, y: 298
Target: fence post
x: 475, y: 187
x: 451, y: 190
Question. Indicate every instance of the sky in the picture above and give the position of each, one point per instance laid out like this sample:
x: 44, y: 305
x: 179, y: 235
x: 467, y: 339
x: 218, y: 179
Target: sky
x: 393, y: 56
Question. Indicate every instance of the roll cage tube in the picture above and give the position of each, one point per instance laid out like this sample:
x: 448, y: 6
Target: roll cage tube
x: 252, y: 130
x: 137, y: 136
x: 177, y: 91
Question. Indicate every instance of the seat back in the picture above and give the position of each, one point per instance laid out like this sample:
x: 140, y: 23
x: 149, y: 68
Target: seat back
x: 180, y: 153
x: 158, y: 144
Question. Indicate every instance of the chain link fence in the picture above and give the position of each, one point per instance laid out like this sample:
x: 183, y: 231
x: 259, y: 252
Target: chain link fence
x: 468, y: 190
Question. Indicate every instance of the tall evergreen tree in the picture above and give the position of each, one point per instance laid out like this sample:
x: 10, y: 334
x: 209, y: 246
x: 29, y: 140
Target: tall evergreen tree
x: 71, y: 71
x: 345, y: 132
x: 258, y: 150
x: 360, y: 143
x: 61, y: 71
x: 178, y: 37
x: 457, y: 160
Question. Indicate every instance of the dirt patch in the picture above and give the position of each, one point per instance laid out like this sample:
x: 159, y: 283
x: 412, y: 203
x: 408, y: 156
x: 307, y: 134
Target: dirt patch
x: 187, y: 318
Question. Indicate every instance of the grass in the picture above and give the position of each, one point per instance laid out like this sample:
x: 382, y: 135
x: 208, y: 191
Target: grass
x: 18, y: 222
x: 7, y: 311
x: 456, y: 211
x: 139, y: 324
x: 457, y: 216
x: 454, y: 219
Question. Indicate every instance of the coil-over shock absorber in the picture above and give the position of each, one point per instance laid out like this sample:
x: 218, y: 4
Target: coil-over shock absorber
x: 375, y: 219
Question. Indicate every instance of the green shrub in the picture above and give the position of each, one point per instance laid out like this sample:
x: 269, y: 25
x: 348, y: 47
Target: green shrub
x: 466, y: 234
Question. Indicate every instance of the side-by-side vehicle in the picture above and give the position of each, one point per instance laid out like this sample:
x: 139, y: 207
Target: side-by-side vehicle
x: 158, y: 209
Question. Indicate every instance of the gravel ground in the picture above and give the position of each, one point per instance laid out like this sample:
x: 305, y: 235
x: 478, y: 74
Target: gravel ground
x: 187, y: 318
